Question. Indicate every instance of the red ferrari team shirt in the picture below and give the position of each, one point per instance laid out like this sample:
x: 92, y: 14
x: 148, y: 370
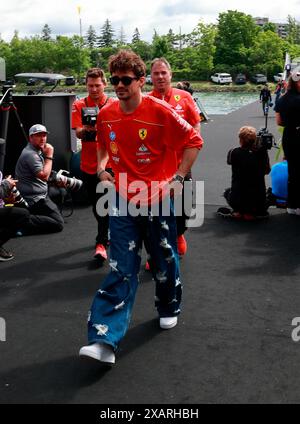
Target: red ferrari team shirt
x: 182, y: 102
x: 88, y: 158
x: 144, y: 145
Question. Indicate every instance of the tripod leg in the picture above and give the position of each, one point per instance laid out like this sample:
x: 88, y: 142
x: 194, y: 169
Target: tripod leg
x: 3, y: 135
x: 19, y: 121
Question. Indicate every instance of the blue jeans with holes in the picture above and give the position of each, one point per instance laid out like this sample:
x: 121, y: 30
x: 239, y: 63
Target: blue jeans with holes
x: 112, y: 306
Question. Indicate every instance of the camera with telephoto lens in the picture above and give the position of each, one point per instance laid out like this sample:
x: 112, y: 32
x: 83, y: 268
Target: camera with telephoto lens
x: 265, y: 139
x: 89, y: 117
x: 18, y: 198
x: 57, y: 178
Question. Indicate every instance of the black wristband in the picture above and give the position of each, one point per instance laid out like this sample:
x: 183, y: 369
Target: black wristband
x: 47, y: 157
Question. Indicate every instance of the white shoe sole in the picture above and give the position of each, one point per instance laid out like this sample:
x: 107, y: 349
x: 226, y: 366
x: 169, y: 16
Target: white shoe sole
x: 105, y: 356
x: 168, y: 326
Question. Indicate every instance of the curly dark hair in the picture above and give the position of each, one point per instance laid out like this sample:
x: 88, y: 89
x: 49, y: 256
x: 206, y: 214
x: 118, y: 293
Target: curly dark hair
x: 127, y: 60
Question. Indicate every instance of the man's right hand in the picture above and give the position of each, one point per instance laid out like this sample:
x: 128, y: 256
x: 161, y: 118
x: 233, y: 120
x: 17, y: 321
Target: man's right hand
x: 48, y: 150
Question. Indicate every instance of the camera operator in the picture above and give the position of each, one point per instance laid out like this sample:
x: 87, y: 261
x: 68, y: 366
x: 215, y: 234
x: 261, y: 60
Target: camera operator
x: 249, y: 163
x: 95, y: 84
x: 33, y: 169
x: 12, y: 218
x: 288, y: 115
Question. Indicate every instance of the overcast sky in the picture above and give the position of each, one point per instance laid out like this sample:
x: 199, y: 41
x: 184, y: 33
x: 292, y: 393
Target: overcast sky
x: 29, y: 16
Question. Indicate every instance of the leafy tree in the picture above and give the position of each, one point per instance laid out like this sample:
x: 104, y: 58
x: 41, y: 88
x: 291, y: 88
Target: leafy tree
x: 236, y: 33
x: 143, y: 49
x: 136, y: 36
x: 106, y: 38
x: 160, y: 46
x: 5, y: 53
x: 267, y: 53
x: 269, y: 26
x: 91, y: 37
x: 293, y: 29
x: 172, y: 39
x: 46, y: 33
x: 202, y: 49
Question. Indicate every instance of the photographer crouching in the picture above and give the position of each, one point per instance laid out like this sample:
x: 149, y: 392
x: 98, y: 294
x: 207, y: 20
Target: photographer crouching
x: 249, y: 163
x: 12, y: 218
x: 33, y: 170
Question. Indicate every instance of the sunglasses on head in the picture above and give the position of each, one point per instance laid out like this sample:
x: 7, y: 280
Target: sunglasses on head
x: 124, y: 80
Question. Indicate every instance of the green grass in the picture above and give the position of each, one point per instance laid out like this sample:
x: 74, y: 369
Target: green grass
x: 198, y: 86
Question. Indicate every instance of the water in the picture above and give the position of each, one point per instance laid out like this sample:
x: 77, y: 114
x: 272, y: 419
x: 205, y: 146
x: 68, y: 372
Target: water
x: 223, y: 103
x: 215, y: 103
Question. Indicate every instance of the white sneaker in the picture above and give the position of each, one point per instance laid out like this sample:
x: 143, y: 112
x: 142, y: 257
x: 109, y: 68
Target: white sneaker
x: 99, y: 351
x: 291, y: 211
x: 167, y: 322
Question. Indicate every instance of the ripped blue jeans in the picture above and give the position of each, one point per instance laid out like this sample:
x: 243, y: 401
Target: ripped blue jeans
x: 111, y: 309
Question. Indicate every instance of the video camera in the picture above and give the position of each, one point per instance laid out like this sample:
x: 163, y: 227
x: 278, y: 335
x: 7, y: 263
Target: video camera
x: 7, y: 91
x: 57, y: 178
x: 89, y: 117
x: 265, y: 139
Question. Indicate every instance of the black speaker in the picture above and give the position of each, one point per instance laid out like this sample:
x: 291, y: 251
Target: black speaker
x: 52, y: 110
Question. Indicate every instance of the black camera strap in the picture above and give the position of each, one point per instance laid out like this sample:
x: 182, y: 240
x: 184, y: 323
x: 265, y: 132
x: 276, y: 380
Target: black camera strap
x: 98, y: 107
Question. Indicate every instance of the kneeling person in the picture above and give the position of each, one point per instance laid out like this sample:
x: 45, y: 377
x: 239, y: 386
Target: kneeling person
x: 33, y: 169
x: 249, y: 164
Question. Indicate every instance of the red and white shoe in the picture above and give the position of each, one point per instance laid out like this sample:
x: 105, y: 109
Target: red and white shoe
x: 181, y: 245
x: 100, y: 252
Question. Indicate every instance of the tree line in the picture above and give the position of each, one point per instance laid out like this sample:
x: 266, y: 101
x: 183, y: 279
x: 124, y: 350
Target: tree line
x: 235, y: 44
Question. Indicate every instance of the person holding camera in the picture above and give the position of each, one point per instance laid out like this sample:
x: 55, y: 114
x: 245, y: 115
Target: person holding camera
x: 86, y: 131
x: 33, y: 170
x: 265, y: 98
x: 288, y: 115
x: 12, y: 218
x: 249, y: 163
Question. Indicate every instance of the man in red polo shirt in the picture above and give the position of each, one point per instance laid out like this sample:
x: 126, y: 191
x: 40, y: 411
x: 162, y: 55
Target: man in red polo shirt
x: 95, y: 84
x: 183, y: 104
x: 141, y: 136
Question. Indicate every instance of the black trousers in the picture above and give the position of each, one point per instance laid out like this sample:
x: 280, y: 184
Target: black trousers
x: 44, y: 218
x: 91, y: 181
x: 12, y: 219
x: 291, y: 148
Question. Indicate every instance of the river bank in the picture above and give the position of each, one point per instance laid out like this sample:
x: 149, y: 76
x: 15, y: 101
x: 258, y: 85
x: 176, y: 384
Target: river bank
x: 198, y: 86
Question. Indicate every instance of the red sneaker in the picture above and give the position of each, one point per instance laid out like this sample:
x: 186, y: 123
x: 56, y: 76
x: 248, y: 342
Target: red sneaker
x: 181, y: 245
x: 100, y: 252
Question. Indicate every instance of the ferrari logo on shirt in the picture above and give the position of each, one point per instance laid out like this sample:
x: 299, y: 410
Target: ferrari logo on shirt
x: 143, y: 133
x: 177, y: 97
x: 114, y: 147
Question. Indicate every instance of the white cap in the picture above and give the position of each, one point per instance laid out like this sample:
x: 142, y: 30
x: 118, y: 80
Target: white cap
x: 295, y: 74
x: 38, y: 128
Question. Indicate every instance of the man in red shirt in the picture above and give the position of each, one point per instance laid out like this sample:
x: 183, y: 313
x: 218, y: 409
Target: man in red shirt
x: 95, y: 84
x: 141, y: 136
x: 183, y: 104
